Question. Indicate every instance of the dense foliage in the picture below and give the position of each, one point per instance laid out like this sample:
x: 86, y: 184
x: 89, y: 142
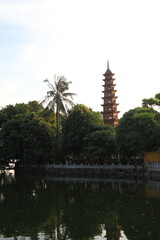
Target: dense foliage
x: 100, y: 146
x: 138, y: 131
x: 152, y: 102
x: 25, y: 135
x: 28, y: 132
x: 80, y: 122
x: 28, y: 139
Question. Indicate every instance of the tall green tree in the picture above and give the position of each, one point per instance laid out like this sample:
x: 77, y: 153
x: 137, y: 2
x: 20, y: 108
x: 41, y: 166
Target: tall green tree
x: 138, y: 131
x: 58, y: 99
x: 100, y: 145
x: 27, y: 139
x: 152, y: 102
x: 11, y: 111
x: 80, y: 122
x: 27, y: 133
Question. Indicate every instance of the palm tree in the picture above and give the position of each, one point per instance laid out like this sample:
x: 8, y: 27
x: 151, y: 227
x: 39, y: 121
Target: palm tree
x: 58, y: 99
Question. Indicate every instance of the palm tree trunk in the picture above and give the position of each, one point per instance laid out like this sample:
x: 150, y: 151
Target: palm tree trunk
x: 57, y: 128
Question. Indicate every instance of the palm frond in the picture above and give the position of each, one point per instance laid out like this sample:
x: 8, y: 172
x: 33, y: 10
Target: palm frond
x: 45, y: 100
x: 51, y: 93
x: 58, y: 94
x: 50, y: 85
x: 51, y: 105
x: 61, y: 84
x: 63, y: 87
x: 68, y: 94
x: 68, y: 102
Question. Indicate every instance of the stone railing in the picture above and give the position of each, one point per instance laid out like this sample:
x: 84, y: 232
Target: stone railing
x: 86, y: 166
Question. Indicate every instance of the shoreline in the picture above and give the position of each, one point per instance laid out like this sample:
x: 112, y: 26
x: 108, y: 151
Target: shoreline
x: 91, y: 171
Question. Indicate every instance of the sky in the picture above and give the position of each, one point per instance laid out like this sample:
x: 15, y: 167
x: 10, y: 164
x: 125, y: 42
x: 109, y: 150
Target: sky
x: 76, y: 38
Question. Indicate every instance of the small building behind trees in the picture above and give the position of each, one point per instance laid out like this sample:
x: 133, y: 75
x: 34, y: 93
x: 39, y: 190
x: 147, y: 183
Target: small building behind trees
x: 152, y: 160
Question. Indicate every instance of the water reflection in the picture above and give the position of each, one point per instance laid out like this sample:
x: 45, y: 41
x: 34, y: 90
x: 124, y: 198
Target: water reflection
x: 45, y: 209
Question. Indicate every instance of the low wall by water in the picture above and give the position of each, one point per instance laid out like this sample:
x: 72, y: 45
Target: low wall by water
x: 88, y: 166
x: 90, y: 171
x: 83, y: 166
x: 83, y: 169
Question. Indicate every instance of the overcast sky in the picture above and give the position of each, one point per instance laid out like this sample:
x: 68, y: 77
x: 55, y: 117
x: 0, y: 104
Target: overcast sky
x: 75, y: 38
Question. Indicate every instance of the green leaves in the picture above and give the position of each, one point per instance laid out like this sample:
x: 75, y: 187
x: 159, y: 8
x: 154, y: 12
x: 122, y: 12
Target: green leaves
x: 80, y: 121
x: 28, y: 140
x: 138, y: 131
x: 151, y: 102
x: 99, y: 146
x: 27, y: 133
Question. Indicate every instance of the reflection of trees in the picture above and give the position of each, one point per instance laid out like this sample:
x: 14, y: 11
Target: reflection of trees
x: 77, y: 211
x: 140, y: 216
x: 61, y: 210
x: 88, y: 208
x: 21, y: 210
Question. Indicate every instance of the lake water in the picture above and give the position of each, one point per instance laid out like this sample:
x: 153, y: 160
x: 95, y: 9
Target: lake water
x: 78, y: 209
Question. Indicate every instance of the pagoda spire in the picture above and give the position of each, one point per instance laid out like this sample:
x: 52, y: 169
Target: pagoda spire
x: 108, y: 65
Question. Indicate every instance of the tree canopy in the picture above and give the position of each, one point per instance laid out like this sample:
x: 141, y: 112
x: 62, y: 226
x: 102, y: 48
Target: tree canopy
x: 99, y: 146
x: 138, y: 131
x: 152, y: 102
x: 25, y: 135
x: 27, y: 139
x: 80, y: 121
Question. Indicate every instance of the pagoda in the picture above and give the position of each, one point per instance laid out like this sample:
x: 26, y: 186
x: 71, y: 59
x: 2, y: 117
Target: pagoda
x: 110, y: 113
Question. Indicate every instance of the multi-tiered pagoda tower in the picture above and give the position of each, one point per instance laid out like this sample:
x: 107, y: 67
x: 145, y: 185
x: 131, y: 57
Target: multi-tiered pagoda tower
x: 110, y: 113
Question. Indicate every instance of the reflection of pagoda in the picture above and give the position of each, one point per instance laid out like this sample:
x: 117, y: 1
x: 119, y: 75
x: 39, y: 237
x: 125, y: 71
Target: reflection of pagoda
x: 113, y: 232
x: 110, y: 113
